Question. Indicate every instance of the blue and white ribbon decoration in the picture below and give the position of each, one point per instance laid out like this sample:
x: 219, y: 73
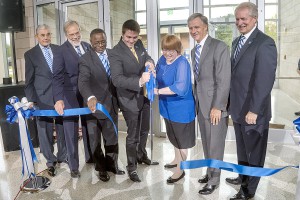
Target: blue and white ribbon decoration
x: 297, y: 124
x: 17, y: 112
x: 240, y: 169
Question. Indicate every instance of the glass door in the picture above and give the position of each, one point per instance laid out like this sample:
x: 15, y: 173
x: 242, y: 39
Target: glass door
x: 86, y: 13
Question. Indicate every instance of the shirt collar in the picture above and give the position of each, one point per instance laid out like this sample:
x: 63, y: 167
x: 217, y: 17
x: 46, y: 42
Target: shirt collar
x: 203, y: 40
x: 42, y: 47
x: 104, y: 53
x: 247, y: 35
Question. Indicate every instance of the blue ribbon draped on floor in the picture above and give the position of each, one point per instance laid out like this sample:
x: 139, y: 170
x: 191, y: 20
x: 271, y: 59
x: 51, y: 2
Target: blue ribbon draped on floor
x: 240, y: 169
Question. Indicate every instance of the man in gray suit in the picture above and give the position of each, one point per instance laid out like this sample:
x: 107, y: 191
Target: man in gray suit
x: 211, y: 62
x: 38, y: 90
x: 253, y: 62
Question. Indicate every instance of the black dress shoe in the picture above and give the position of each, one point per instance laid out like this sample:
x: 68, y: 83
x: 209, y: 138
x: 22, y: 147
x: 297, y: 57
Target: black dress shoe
x: 208, y: 189
x: 65, y: 161
x: 75, y: 174
x: 297, y: 113
x: 51, y: 171
x: 89, y: 161
x: 234, y: 181
x: 241, y: 196
x: 115, y: 170
x: 170, y: 166
x: 147, y: 161
x: 203, y: 179
x: 103, y: 176
x: 173, y: 180
x: 134, y: 176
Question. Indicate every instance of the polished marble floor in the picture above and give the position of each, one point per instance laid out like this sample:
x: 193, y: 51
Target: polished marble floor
x: 280, y: 186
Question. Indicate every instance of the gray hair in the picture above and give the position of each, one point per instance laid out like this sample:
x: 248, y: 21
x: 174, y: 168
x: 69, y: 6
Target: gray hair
x: 253, y: 11
x: 200, y: 16
x: 40, y: 27
x: 70, y: 23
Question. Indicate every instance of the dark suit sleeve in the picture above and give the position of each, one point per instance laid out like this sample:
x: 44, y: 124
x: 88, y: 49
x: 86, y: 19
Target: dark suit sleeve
x: 84, y: 79
x: 29, y: 79
x: 58, y: 75
x: 264, y: 74
x: 222, y: 76
x: 119, y: 79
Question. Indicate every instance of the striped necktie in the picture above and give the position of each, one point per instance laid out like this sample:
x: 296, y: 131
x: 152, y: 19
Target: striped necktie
x: 197, y: 60
x: 105, y: 63
x: 78, y: 51
x: 48, y: 57
x: 239, y: 46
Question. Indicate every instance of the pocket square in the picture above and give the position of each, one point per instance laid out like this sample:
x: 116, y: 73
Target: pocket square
x: 143, y: 53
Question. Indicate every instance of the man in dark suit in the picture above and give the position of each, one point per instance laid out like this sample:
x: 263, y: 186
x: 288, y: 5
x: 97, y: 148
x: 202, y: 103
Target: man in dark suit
x: 211, y: 61
x: 128, y: 60
x: 38, y: 90
x: 95, y: 85
x: 66, y: 93
x: 254, y: 62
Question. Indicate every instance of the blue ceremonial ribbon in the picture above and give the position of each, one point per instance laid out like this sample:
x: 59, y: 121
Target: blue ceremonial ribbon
x: 150, y: 86
x: 240, y: 169
x: 297, y: 124
x: 75, y: 112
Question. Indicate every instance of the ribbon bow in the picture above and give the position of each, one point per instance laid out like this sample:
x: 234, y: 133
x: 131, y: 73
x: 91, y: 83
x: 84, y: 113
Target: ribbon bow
x: 15, y: 105
x: 17, y: 112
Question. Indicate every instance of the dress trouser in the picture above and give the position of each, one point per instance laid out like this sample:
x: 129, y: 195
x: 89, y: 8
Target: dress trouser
x: 213, y: 142
x: 96, y: 128
x: 71, y: 136
x: 45, y: 133
x: 251, y: 151
x: 137, y: 134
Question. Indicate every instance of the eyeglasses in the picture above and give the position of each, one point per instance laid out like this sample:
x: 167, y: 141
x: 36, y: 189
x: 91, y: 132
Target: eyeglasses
x: 74, y: 34
x: 45, y: 35
x: 172, y: 52
x: 100, y: 43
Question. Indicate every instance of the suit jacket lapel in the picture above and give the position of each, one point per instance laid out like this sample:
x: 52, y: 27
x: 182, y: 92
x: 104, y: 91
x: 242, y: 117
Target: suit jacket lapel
x: 71, y: 48
x: 85, y: 46
x: 128, y: 51
x: 247, y: 44
x: 40, y: 54
x: 204, y: 51
x: 97, y: 62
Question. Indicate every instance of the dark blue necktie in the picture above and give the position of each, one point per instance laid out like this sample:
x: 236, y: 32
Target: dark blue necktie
x: 78, y: 51
x: 105, y: 63
x: 48, y: 57
x: 197, y: 60
x: 239, y: 46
